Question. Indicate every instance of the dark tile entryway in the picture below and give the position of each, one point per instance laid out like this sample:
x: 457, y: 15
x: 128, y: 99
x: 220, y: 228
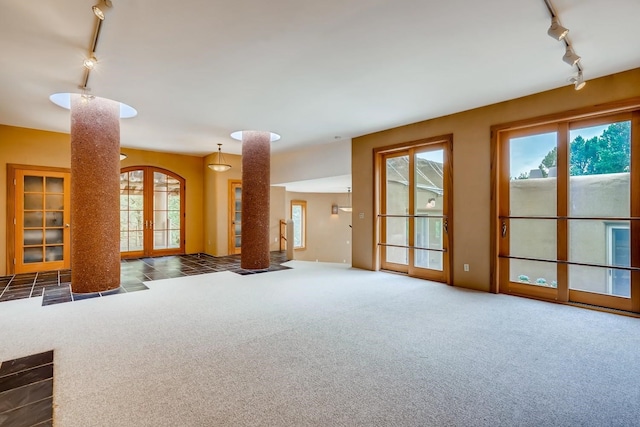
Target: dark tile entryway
x: 26, y: 391
x: 55, y: 286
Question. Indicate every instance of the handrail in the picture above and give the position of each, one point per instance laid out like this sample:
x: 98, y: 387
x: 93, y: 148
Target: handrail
x: 572, y: 218
x: 411, y: 247
x: 581, y: 264
x: 283, y: 238
x: 411, y: 216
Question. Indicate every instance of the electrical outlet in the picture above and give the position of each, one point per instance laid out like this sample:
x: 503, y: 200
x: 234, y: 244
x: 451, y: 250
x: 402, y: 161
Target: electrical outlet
x: 466, y: 267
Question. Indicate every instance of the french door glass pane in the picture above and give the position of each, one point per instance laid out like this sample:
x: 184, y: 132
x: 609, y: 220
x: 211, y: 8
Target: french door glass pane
x: 428, y: 196
x: 33, y: 237
x: 54, y: 202
x: 54, y: 253
x: 533, y: 193
x: 397, y: 203
x: 54, y: 219
x: 33, y: 219
x: 166, y: 212
x: 131, y: 211
x: 599, y: 187
x: 33, y: 201
x: 32, y: 255
x: 55, y: 185
x: 54, y: 236
x: 33, y: 184
x: 136, y: 241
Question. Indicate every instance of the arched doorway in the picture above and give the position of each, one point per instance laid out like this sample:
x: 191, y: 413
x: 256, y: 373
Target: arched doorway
x: 151, y: 212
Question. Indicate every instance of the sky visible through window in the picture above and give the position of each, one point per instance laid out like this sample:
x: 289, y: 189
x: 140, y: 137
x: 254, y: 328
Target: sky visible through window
x: 527, y: 152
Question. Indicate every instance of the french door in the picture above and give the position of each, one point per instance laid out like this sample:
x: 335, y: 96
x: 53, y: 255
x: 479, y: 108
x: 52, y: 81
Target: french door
x: 415, y: 232
x: 235, y: 216
x: 569, y: 210
x: 41, y: 234
x: 151, y: 212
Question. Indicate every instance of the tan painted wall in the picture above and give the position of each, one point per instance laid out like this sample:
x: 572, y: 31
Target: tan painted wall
x: 41, y: 148
x: 328, y: 236
x: 216, y: 206
x: 216, y: 203
x: 471, y: 168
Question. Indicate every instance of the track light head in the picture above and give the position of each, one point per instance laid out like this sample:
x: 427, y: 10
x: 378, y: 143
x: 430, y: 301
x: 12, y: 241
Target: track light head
x: 556, y: 30
x: 90, y: 62
x: 101, y: 8
x: 578, y: 80
x: 570, y: 57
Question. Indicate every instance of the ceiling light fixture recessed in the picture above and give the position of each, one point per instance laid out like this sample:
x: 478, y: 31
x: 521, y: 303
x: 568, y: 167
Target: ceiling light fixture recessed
x: 63, y: 99
x: 237, y: 135
x: 556, y: 30
x: 101, y: 8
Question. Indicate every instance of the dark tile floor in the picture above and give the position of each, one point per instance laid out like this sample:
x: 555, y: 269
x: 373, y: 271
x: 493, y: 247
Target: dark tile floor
x: 26, y: 391
x: 55, y: 286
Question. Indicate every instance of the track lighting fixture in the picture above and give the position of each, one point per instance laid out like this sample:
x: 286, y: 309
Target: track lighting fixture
x: 556, y: 30
x: 570, y: 56
x: 219, y: 166
x: 578, y: 80
x: 559, y: 32
x: 101, y: 8
x: 90, y: 62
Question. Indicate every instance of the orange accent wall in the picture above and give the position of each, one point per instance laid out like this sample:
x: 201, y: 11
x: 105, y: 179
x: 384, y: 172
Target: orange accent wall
x: 42, y: 148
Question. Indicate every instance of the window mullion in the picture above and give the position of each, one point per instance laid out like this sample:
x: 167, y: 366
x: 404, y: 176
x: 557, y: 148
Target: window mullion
x: 563, y: 210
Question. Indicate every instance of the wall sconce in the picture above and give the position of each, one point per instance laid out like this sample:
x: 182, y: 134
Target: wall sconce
x: 334, y: 209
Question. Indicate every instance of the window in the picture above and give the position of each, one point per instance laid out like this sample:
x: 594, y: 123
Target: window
x: 566, y: 209
x: 299, y: 217
x: 618, y: 253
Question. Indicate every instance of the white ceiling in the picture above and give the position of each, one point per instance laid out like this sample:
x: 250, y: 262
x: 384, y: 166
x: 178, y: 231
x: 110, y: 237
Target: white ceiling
x: 197, y: 70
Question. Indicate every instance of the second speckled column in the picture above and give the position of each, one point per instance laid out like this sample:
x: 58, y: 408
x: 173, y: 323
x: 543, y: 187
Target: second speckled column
x: 256, y: 161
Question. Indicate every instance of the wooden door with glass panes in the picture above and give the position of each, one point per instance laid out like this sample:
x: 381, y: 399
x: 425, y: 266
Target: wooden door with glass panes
x: 42, y: 217
x: 235, y: 216
x: 415, y: 213
x: 568, y: 211
x: 151, y: 212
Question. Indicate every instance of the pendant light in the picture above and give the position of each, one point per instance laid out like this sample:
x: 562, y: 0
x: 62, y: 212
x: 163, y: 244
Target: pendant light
x: 219, y: 166
x: 348, y: 207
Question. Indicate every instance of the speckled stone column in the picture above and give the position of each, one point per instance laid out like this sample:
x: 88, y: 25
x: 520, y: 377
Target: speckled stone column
x: 256, y: 161
x: 95, y: 185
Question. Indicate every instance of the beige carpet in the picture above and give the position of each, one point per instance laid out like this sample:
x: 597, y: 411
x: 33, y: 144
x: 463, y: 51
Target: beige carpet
x: 326, y: 345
